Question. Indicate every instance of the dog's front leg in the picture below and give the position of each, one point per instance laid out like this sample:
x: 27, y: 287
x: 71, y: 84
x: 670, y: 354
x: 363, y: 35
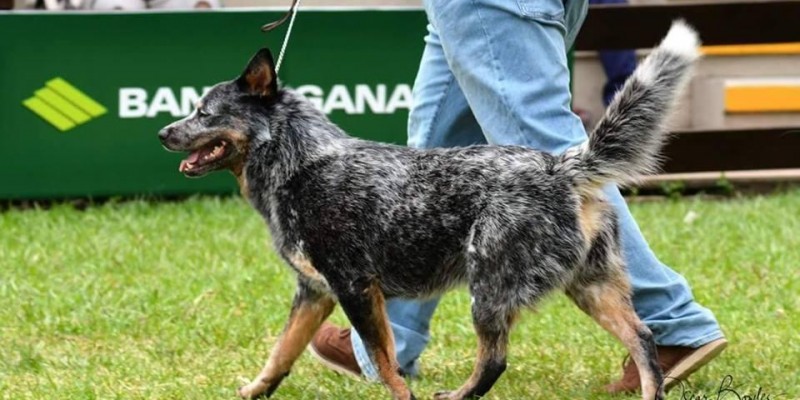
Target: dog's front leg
x: 309, y: 309
x: 364, y: 305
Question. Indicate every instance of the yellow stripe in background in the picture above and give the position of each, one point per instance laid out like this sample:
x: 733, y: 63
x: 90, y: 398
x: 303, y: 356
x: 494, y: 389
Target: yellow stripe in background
x: 752, y: 49
x: 62, y: 105
x: 49, y: 114
x: 754, y: 99
x: 77, y: 97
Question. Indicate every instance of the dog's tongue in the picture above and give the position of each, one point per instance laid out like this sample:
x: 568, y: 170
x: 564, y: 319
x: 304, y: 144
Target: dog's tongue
x: 189, y: 160
x: 193, y: 157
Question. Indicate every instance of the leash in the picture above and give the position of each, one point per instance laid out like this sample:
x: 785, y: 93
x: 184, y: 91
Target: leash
x: 272, y: 25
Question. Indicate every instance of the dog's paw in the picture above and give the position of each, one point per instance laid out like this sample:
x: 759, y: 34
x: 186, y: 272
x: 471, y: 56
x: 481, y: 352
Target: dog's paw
x: 252, y: 390
x: 443, y: 395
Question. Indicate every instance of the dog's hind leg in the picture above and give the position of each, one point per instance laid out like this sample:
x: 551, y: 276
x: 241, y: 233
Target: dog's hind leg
x: 309, y: 309
x: 364, y: 305
x: 602, y: 290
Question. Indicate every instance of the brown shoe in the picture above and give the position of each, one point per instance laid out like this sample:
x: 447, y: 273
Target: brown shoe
x: 677, y: 363
x: 331, y: 345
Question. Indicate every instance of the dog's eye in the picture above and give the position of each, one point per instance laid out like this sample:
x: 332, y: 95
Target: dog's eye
x: 202, y: 112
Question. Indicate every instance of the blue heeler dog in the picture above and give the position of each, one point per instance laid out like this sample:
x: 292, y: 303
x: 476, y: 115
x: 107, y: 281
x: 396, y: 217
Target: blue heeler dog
x: 360, y: 221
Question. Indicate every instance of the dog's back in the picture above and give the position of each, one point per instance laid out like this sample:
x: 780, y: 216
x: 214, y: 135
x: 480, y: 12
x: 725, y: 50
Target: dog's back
x: 414, y: 217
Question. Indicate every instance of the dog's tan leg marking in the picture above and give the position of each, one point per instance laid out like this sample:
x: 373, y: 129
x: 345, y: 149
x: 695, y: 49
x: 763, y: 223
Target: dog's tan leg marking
x: 589, y: 216
x: 365, y: 307
x: 304, y: 267
x: 304, y: 321
x: 609, y: 304
x: 383, y: 351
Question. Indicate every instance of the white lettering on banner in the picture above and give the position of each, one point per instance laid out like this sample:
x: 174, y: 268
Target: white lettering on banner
x: 401, y: 98
x: 313, y: 94
x: 189, y: 98
x: 136, y: 103
x: 132, y: 102
x: 375, y: 100
x: 164, y: 101
x: 340, y: 99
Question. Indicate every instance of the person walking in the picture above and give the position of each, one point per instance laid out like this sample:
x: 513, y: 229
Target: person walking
x: 495, y: 71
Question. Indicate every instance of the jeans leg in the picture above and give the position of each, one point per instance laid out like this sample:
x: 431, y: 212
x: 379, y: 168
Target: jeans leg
x: 440, y: 118
x: 510, y: 60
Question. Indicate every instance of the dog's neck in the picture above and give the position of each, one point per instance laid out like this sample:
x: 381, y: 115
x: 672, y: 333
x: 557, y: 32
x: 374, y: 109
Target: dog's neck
x: 294, y: 134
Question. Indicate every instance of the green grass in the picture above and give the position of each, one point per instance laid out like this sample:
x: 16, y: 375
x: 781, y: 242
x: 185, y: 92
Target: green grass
x: 149, y: 300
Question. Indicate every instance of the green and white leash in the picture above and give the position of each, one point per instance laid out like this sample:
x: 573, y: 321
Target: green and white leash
x: 272, y: 25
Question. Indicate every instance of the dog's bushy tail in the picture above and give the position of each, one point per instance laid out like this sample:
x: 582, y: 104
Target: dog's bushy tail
x: 626, y: 143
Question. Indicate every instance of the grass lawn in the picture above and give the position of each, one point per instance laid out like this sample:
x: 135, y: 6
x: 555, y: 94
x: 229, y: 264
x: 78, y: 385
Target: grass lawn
x: 142, y: 300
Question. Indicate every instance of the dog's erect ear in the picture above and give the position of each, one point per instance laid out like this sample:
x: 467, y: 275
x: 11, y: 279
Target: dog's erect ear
x: 259, y: 78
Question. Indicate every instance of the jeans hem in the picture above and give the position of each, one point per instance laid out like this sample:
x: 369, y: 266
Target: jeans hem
x: 367, y: 369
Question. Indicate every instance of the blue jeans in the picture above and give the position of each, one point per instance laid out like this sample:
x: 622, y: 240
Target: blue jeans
x: 495, y: 71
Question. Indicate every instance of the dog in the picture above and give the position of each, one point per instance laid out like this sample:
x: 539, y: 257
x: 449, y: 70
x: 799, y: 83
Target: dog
x: 360, y: 222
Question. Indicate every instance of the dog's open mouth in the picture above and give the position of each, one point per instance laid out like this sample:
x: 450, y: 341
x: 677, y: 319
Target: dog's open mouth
x: 202, y: 159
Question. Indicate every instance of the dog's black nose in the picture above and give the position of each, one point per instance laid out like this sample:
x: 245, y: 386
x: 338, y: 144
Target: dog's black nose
x: 164, y: 134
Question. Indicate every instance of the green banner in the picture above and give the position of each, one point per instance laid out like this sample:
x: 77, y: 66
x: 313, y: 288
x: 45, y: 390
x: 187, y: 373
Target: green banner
x: 84, y: 94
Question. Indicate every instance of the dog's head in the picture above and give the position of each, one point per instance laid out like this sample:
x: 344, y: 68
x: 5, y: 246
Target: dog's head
x: 218, y: 133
